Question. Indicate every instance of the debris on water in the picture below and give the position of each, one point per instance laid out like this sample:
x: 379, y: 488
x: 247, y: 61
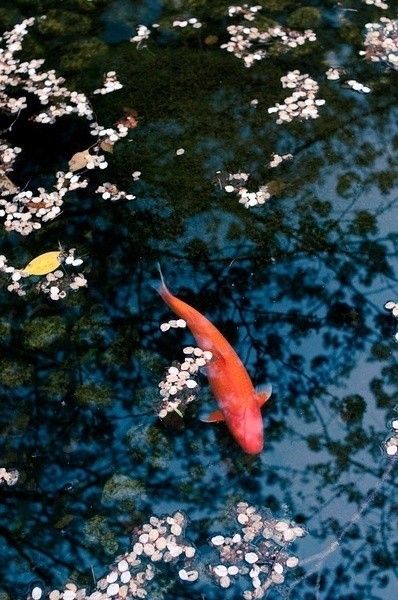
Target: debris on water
x: 393, y: 307
x: 188, y: 575
x: 261, y: 544
x: 45, y: 85
x: 110, y: 191
x: 173, y: 323
x: 143, y: 33
x: 248, y: 43
x: 244, y: 11
x: 57, y: 283
x: 357, y: 86
x: 24, y: 211
x: 277, y: 159
x: 381, y: 42
x: 193, y: 22
x: 37, y: 593
x: 43, y: 264
x: 377, y: 3
x: 391, y: 445
x: 236, y: 183
x: 333, y: 74
x: 110, y: 84
x: 303, y: 103
x: 109, y: 135
x: 9, y: 477
x: 258, y: 560
x: 181, y: 378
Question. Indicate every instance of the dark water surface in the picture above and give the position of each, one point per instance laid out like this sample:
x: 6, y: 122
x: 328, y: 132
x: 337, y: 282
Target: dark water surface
x: 297, y: 285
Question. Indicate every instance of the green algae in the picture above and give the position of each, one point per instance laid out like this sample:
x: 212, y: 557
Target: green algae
x: 44, y: 332
x: 98, y: 534
x: 63, y: 23
x: 306, y: 16
x: 15, y: 373
x: 81, y: 54
x: 90, y: 393
x: 123, y: 493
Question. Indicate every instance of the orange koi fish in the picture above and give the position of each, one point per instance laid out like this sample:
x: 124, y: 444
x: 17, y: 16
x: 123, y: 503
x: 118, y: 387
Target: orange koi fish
x: 239, y: 403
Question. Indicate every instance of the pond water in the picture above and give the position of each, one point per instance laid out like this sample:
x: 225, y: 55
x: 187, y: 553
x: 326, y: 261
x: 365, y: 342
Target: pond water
x: 257, y: 166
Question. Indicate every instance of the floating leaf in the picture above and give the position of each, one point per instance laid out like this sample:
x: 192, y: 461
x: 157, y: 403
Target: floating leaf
x: 275, y: 187
x: 106, y: 146
x: 6, y: 185
x: 79, y: 160
x: 43, y: 264
x: 128, y: 121
x: 210, y: 40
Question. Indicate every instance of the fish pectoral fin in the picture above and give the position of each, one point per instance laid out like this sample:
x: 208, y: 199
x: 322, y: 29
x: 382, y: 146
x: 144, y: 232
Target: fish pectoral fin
x: 264, y: 393
x: 214, y: 356
x: 215, y: 417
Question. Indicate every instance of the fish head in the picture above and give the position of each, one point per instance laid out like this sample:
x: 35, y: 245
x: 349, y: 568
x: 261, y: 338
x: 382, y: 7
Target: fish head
x: 253, y: 442
x: 247, y: 429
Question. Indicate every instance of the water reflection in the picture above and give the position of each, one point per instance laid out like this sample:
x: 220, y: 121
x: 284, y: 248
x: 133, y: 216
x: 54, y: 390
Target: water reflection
x: 297, y: 286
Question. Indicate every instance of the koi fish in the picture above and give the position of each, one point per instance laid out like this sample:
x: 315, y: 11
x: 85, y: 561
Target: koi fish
x: 239, y: 403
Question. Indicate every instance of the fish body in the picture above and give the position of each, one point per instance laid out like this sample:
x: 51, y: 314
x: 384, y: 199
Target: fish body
x: 239, y: 403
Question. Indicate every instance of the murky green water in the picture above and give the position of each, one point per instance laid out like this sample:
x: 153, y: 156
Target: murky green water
x: 297, y: 285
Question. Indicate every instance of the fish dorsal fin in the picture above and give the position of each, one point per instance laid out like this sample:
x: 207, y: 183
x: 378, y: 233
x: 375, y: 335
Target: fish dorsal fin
x: 215, y: 417
x: 263, y: 393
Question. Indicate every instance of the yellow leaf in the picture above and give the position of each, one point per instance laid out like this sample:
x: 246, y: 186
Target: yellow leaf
x: 43, y: 264
x: 79, y: 160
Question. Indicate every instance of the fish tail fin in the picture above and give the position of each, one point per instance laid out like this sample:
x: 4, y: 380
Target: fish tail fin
x: 162, y: 282
x: 161, y: 287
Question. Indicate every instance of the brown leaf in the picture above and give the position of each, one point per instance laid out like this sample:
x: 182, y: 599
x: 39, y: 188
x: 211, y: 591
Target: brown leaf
x: 7, y: 186
x: 128, y: 121
x: 106, y: 146
x: 210, y: 40
x: 276, y: 188
x: 79, y: 160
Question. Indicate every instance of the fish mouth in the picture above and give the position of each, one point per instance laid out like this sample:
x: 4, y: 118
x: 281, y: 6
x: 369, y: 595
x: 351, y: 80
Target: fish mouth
x: 253, y: 446
x: 254, y: 451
